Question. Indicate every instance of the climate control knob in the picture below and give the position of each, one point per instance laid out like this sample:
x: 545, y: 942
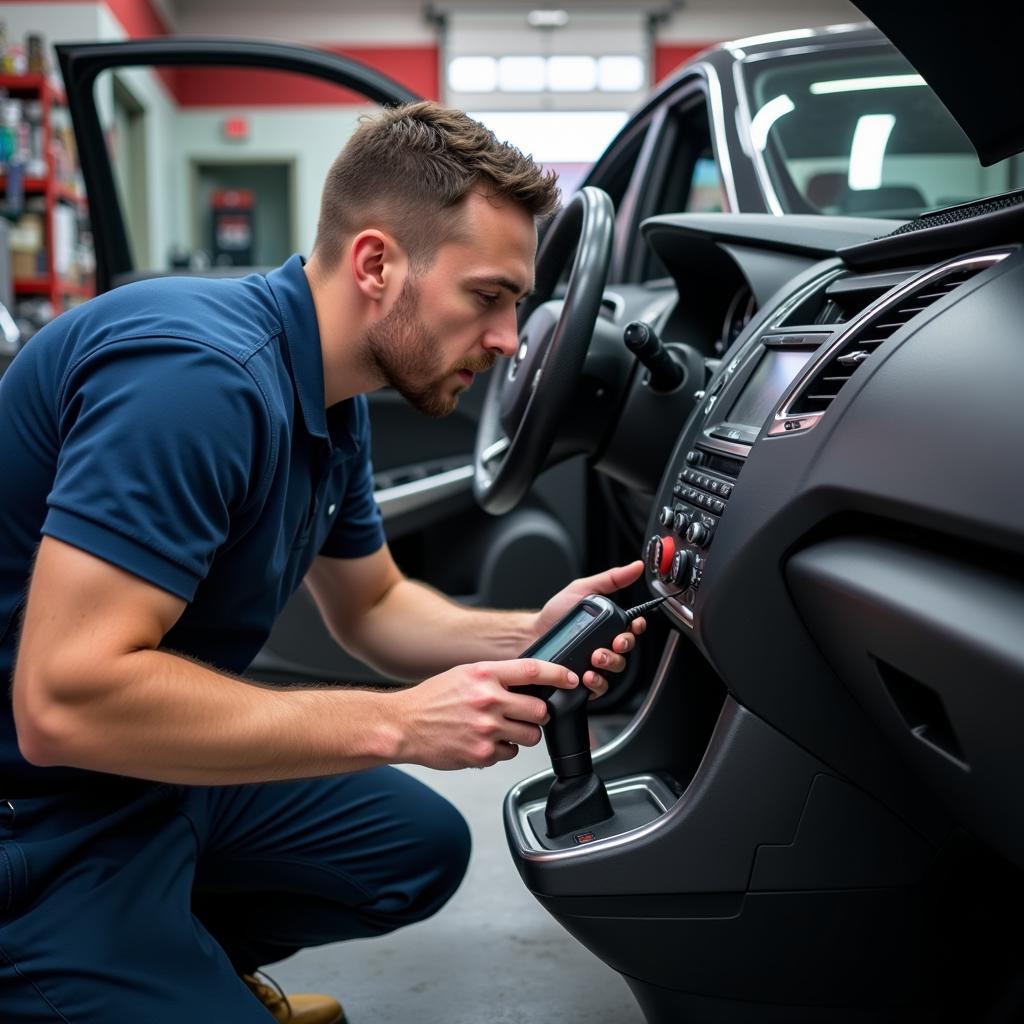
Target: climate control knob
x: 652, y: 555
x: 697, y: 533
x: 680, y: 568
x: 665, y: 518
x: 680, y: 521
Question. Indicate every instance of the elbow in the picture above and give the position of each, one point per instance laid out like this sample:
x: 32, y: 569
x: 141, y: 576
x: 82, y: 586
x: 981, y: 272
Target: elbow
x: 41, y: 721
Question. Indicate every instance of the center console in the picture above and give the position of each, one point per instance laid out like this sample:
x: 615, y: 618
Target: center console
x: 709, y: 458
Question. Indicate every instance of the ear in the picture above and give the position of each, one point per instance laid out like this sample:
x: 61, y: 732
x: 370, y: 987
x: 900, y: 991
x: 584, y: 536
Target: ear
x: 378, y: 263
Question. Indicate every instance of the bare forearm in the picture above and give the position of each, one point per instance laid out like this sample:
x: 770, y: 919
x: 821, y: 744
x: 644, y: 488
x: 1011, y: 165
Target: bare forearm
x: 414, y: 631
x: 158, y: 716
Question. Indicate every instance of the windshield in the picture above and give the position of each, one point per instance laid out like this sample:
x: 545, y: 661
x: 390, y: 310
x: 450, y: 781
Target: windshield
x: 860, y: 133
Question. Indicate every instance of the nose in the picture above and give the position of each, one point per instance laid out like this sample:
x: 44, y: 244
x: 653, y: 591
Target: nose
x: 503, y: 338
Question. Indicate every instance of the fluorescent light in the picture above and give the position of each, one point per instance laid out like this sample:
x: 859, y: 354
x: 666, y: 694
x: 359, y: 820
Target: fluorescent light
x: 521, y: 74
x: 556, y: 136
x: 867, y: 151
x: 473, y: 74
x: 620, y: 74
x: 572, y: 74
x: 862, y: 84
x: 763, y: 120
x: 547, y: 19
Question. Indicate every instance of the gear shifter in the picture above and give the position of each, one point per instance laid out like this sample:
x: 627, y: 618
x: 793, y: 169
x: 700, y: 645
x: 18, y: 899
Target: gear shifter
x: 577, y: 796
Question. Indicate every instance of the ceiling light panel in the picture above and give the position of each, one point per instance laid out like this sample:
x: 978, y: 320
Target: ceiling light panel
x: 621, y: 74
x: 473, y: 74
x: 572, y: 74
x: 522, y: 74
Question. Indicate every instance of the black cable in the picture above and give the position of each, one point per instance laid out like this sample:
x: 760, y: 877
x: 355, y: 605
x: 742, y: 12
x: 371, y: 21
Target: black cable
x: 632, y: 613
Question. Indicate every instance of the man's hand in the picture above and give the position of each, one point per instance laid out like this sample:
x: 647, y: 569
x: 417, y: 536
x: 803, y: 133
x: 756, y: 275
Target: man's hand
x: 471, y: 715
x: 603, y: 583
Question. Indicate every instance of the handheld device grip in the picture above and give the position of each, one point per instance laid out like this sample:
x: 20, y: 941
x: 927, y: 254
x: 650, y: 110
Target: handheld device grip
x: 567, y: 734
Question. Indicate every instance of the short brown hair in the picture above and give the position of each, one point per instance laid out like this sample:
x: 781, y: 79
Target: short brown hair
x: 407, y: 169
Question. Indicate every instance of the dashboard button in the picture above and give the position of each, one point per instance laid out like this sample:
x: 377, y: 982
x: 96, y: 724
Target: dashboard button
x: 725, y: 490
x: 742, y: 435
x: 666, y: 552
x: 692, y: 457
x: 719, y: 505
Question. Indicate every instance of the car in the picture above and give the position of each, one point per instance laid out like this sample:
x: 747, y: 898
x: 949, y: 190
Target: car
x: 815, y: 806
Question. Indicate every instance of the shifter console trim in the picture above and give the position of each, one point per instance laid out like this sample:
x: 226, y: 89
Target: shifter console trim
x: 659, y: 794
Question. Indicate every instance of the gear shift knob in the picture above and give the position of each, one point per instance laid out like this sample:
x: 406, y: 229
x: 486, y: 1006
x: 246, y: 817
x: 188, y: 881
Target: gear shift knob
x: 577, y: 796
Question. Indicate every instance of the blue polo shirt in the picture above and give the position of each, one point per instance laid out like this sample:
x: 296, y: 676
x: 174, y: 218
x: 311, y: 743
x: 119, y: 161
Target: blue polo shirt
x: 176, y: 428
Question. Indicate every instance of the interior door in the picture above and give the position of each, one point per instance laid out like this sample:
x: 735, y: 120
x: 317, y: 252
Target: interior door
x: 181, y: 142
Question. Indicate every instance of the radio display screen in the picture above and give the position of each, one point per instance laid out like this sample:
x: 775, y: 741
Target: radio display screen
x: 773, y: 375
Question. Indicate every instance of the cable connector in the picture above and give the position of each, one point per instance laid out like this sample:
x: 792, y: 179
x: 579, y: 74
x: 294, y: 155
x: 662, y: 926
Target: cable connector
x: 632, y: 613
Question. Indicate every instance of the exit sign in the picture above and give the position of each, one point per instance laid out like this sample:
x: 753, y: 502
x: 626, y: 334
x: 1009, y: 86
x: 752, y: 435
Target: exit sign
x: 236, y: 128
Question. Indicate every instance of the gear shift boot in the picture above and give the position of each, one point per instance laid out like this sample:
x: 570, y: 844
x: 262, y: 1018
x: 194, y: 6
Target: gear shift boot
x: 576, y: 802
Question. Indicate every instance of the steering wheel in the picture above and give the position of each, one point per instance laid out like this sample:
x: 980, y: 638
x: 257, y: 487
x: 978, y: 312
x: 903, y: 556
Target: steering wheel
x: 529, y: 392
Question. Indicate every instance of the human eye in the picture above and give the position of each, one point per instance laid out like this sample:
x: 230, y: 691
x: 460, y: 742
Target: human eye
x: 488, y: 298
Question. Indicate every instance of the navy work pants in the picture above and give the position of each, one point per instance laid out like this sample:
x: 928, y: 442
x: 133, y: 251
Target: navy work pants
x: 144, y: 902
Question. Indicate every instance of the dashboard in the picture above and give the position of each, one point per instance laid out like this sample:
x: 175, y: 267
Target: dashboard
x: 837, y: 523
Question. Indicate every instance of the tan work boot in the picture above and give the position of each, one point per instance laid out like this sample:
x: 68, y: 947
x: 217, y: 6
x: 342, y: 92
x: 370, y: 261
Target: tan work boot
x: 302, y: 1008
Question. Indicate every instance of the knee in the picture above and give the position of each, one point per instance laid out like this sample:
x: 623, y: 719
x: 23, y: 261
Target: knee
x: 444, y: 857
x: 430, y: 864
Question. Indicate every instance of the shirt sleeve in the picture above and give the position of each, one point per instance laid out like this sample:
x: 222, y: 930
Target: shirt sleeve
x: 358, y: 528
x: 160, y: 439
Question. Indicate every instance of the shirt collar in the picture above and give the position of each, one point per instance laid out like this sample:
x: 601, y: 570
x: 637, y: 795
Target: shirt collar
x: 302, y: 334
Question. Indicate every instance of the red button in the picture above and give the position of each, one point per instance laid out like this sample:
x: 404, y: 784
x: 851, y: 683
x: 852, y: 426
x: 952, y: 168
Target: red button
x: 668, y: 551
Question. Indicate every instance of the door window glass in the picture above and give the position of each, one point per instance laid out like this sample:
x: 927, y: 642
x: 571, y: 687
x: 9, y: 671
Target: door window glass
x: 705, y: 193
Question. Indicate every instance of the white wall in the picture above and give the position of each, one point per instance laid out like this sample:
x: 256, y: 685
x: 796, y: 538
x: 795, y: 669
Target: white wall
x: 311, y: 136
x: 59, y: 23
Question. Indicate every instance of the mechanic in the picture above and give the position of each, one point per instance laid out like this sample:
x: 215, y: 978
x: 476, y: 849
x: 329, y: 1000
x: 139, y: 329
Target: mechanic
x: 191, y: 450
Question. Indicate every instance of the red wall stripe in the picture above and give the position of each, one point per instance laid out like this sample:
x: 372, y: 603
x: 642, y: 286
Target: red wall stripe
x: 668, y: 57
x: 416, y: 67
x: 139, y: 18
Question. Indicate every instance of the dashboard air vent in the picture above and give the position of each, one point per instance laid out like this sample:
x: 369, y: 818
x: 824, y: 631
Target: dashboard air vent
x: 859, y: 344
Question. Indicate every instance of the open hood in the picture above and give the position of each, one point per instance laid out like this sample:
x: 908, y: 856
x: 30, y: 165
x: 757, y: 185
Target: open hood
x: 966, y: 53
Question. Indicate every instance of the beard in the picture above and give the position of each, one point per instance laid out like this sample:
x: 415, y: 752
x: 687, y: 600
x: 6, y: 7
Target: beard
x: 409, y: 357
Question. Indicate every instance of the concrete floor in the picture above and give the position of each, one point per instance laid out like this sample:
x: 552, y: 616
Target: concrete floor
x: 491, y: 955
